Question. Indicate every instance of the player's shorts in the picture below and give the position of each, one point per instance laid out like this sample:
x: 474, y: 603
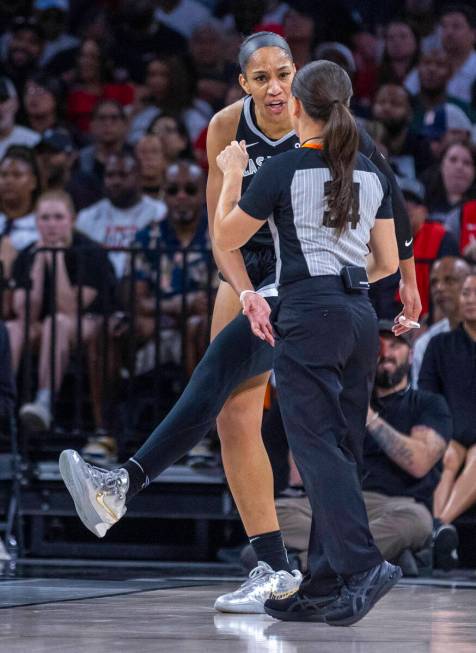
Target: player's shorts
x: 261, y: 267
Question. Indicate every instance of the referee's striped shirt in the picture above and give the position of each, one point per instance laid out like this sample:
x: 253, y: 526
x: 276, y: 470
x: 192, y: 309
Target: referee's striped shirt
x: 289, y: 190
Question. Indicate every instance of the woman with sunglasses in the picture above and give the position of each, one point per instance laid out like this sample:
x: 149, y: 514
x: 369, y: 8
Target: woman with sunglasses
x: 229, y: 383
x: 327, y: 207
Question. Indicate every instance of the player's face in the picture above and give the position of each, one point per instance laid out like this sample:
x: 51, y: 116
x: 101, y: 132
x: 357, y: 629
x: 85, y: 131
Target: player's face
x: 268, y: 79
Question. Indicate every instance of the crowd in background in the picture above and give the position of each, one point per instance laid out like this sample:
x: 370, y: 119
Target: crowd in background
x: 104, y: 108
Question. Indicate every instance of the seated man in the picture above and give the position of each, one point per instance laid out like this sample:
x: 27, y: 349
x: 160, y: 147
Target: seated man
x: 184, y: 228
x: 78, y: 262
x: 407, y: 433
x: 449, y: 367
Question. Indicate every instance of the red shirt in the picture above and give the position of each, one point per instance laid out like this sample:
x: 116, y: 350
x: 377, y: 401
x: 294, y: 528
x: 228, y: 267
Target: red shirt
x: 80, y: 104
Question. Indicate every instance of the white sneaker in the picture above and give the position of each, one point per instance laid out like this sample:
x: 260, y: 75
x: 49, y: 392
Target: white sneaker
x: 262, y: 581
x: 99, y: 495
x: 35, y: 416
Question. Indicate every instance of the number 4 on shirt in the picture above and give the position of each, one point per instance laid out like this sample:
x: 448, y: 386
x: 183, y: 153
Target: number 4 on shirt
x: 354, y: 215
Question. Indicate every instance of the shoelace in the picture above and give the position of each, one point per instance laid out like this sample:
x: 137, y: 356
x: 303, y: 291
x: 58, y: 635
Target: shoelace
x: 257, y: 573
x: 106, y: 481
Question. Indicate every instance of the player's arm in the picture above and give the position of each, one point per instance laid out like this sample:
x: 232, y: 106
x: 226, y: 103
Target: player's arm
x: 383, y: 258
x: 221, y: 132
x: 409, y: 294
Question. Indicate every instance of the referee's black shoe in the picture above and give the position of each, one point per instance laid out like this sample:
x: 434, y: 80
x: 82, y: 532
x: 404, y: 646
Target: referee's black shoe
x: 299, y: 607
x: 361, y: 592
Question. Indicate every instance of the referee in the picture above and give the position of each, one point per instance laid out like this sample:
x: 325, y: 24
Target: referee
x: 326, y: 206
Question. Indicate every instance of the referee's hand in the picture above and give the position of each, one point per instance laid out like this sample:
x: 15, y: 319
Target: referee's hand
x: 257, y: 310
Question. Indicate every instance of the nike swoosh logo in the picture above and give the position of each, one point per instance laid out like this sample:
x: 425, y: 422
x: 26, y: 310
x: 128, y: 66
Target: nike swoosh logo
x: 251, y: 144
x: 408, y: 242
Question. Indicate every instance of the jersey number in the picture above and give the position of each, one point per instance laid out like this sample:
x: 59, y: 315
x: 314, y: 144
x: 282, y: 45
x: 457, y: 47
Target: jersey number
x: 354, y: 216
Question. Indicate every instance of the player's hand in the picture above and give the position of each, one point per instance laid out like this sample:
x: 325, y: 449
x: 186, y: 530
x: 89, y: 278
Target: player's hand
x: 257, y: 310
x: 234, y: 156
x: 410, y: 298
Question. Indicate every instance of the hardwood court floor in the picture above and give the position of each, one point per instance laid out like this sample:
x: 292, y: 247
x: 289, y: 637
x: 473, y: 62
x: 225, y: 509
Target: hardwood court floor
x: 408, y: 620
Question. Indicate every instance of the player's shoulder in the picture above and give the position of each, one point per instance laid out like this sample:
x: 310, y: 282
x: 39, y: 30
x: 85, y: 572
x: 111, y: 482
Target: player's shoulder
x: 224, y: 123
x: 364, y: 164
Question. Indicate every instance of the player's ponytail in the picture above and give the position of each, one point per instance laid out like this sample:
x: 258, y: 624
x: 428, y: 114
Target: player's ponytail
x: 324, y: 89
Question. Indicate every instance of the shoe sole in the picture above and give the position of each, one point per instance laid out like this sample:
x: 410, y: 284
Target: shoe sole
x: 241, y: 609
x: 77, y: 492
x: 282, y: 615
x: 370, y: 603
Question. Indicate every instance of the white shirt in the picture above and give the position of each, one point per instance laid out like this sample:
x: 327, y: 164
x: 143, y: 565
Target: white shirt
x: 19, y: 136
x: 185, y: 18
x: 23, y: 231
x: 460, y: 84
x: 114, y: 227
x: 419, y: 348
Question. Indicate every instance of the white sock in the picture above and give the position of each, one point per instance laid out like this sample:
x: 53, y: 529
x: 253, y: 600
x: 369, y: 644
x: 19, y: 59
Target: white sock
x: 43, y: 397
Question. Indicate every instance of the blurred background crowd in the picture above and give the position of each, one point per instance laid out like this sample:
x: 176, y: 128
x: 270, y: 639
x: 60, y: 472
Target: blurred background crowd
x: 104, y: 108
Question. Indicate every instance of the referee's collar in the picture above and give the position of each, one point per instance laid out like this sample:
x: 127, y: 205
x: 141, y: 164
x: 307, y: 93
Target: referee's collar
x: 314, y: 146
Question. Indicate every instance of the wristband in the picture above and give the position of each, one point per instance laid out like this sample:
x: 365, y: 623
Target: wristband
x: 243, y: 293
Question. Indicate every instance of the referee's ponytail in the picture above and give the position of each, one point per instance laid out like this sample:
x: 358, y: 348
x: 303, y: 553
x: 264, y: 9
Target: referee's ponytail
x: 324, y: 89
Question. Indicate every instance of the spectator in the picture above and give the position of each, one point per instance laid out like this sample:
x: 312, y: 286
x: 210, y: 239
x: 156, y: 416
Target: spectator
x: 207, y: 47
x: 451, y: 186
x: 19, y: 187
x: 299, y: 31
x: 409, y: 153
x: 183, y: 16
x: 11, y: 133
x: 458, y: 33
x: 24, y: 48
x: 58, y: 163
x: 94, y: 83
x: 407, y: 433
x: 421, y: 15
x: 446, y: 280
x: 433, y: 73
x: 43, y: 102
x: 152, y: 162
x: 458, y: 36
x: 115, y: 220
x: 449, y: 367
x: 170, y: 89
x: 173, y: 137
x: 79, y: 262
x: 139, y: 37
x: 431, y: 241
x: 52, y: 16
x: 185, y: 228
x: 242, y: 17
x: 400, y: 53
x: 108, y: 131
x: 365, y: 48
x: 445, y: 125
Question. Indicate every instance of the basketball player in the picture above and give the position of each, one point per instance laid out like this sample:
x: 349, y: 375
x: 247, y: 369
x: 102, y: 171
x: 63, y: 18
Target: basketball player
x: 229, y: 383
x: 327, y: 205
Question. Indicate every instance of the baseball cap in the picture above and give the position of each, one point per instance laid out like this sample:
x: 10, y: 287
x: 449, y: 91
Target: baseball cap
x: 385, y: 326
x: 447, y: 116
x: 56, y: 139
x: 412, y: 189
x: 7, y: 89
x: 43, y: 5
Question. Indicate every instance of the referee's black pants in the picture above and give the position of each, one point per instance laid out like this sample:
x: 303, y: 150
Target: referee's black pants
x: 325, y: 360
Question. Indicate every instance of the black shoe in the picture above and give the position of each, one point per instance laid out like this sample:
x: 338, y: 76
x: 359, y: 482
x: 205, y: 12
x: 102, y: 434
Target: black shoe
x: 361, y: 592
x: 299, y: 607
x: 445, y: 546
x: 408, y: 564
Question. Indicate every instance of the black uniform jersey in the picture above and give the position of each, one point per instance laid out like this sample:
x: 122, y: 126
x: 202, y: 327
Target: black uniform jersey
x: 291, y: 193
x: 261, y: 148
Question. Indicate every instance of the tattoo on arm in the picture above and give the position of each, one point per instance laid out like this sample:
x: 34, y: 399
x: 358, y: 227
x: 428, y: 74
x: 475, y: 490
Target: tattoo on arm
x: 395, y: 445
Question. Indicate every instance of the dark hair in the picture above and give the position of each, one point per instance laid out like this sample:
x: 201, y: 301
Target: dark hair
x: 324, y: 89
x: 261, y: 40
x: 105, y: 59
x: 25, y: 155
x: 102, y: 103
x: 181, y: 128
x: 468, y: 12
x: 181, y: 90
x: 387, y: 73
